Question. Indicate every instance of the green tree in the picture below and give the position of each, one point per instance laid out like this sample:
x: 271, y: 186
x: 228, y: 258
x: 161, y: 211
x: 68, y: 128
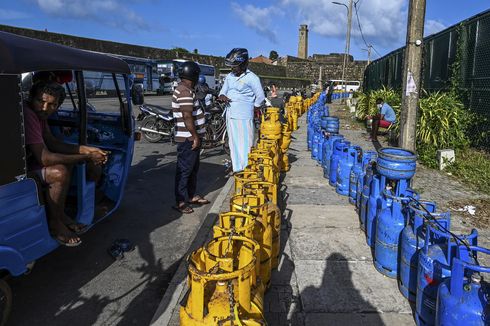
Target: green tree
x: 182, y: 50
x: 273, y: 55
x: 196, y: 51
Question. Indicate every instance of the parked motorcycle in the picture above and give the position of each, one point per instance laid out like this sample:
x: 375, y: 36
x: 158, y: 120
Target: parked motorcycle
x: 216, y: 134
x: 156, y: 123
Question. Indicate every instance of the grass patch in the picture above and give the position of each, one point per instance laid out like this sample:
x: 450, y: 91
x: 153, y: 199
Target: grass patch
x: 473, y: 168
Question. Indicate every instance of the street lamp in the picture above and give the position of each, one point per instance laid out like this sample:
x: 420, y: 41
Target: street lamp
x: 347, y: 40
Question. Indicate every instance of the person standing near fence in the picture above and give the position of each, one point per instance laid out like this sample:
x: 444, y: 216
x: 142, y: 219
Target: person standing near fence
x: 243, y: 91
x: 189, y: 128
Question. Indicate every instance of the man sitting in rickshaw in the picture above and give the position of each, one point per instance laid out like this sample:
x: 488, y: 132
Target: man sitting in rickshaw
x: 51, y: 160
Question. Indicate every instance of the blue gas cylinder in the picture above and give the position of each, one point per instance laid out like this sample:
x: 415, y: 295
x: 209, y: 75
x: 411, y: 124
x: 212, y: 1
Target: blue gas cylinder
x: 319, y: 155
x: 434, y: 267
x: 328, y: 151
x: 344, y: 169
x: 390, y: 223
x: 326, y: 120
x: 339, y: 152
x: 309, y: 136
x: 317, y: 135
x: 365, y: 192
x: 373, y: 204
x: 464, y: 298
x: 356, y: 190
x: 396, y: 163
x: 332, y: 125
x: 412, y: 239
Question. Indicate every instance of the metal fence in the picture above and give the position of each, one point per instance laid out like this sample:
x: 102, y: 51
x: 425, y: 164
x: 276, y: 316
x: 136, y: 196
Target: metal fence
x: 467, y: 44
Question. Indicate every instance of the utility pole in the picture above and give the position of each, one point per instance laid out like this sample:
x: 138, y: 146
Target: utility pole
x: 412, y: 74
x: 347, y: 41
x: 370, y: 47
x: 368, y: 50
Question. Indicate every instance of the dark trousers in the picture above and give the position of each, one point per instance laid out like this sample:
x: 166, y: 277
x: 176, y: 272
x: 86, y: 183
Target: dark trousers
x: 186, y: 172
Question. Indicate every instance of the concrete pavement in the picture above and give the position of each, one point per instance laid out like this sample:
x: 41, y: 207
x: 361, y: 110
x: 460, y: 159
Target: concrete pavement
x: 326, y: 275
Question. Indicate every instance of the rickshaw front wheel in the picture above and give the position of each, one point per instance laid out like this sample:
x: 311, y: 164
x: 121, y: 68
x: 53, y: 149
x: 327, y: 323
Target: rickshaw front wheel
x: 5, y: 302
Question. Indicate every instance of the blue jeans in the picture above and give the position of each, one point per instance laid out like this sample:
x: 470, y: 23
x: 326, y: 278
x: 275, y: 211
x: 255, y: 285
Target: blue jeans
x: 186, y: 171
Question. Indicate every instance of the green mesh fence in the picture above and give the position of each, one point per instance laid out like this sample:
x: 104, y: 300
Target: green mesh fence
x: 460, y: 53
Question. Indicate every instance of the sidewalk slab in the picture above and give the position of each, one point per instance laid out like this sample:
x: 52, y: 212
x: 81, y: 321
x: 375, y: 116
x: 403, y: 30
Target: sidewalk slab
x: 347, y: 287
x: 323, y: 216
x: 371, y: 319
x: 320, y: 243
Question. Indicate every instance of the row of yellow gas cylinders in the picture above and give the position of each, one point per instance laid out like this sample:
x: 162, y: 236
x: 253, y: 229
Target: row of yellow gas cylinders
x: 229, y: 275
x: 296, y: 107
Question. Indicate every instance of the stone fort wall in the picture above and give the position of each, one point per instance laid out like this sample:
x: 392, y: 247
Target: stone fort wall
x: 298, y: 71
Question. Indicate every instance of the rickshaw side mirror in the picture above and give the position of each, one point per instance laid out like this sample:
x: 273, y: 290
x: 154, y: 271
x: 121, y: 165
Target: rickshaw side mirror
x: 137, y: 96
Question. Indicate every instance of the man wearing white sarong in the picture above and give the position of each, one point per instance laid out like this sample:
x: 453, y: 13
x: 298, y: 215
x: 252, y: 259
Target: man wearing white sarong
x: 243, y: 91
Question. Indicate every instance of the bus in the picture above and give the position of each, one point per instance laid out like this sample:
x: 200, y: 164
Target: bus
x: 168, y: 70
x: 144, y: 72
x: 350, y: 85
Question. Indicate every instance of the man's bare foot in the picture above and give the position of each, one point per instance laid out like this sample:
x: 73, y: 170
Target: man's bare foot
x: 63, y: 235
x: 74, y: 226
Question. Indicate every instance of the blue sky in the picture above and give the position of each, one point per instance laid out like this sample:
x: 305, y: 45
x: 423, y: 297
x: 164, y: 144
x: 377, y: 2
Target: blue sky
x: 215, y: 26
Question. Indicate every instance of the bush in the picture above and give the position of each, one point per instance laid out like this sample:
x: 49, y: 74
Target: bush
x: 366, y: 103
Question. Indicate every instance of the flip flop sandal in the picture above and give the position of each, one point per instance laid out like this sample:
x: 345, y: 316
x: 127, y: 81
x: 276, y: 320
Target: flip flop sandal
x: 183, y: 209
x: 124, y: 244
x: 200, y: 201
x: 64, y: 241
x: 115, y: 252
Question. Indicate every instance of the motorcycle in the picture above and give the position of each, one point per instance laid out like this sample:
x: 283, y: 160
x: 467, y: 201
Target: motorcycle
x: 216, y: 133
x: 156, y: 123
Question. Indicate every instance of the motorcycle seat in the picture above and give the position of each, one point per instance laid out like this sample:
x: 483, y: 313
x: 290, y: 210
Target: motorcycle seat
x: 158, y: 109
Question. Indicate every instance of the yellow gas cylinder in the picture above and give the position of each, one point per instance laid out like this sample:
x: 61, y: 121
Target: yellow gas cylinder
x: 243, y: 177
x: 267, y: 192
x: 285, y: 140
x: 261, y: 149
x: 270, y: 127
x: 223, y: 284
x: 247, y: 225
x: 271, y: 145
x: 255, y: 206
x: 264, y: 164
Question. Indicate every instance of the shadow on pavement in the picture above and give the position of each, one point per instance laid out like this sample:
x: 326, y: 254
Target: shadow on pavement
x: 86, y: 286
x: 338, y: 296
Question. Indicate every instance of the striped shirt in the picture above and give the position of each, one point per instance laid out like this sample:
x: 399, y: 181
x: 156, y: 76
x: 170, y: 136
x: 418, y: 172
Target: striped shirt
x: 184, y: 100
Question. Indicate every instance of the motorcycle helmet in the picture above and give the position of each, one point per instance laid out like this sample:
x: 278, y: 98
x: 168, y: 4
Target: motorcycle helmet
x: 201, y: 80
x: 189, y: 70
x: 236, y: 57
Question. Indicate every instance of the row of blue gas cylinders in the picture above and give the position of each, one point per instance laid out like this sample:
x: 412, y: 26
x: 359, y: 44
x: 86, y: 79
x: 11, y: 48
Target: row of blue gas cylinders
x: 410, y: 238
x: 336, y: 96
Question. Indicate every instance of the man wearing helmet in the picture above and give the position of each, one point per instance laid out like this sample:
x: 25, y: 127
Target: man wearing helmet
x: 189, y: 128
x: 204, y: 94
x: 243, y: 91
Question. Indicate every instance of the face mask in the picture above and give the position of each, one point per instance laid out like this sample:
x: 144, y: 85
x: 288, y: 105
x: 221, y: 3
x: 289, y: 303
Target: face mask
x: 379, y: 106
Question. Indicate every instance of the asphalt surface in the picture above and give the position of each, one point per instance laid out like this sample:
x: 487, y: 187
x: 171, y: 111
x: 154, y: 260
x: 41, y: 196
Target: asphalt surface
x: 84, y: 285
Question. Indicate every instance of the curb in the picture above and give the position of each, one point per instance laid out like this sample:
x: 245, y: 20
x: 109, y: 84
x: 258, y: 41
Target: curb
x: 177, y: 285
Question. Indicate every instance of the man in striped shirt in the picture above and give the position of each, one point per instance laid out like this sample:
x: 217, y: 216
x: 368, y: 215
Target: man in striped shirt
x: 189, y: 128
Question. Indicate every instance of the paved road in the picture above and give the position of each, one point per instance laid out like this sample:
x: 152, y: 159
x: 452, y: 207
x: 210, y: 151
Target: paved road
x: 85, y: 286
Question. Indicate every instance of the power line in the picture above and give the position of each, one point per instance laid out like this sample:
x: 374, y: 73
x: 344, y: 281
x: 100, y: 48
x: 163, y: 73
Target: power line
x: 360, y: 29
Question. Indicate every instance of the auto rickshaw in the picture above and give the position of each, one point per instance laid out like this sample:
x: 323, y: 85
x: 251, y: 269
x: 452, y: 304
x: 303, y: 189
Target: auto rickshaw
x: 85, y: 118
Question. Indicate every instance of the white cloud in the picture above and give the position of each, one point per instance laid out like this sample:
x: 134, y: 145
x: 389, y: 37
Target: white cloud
x: 6, y: 14
x: 113, y: 13
x: 258, y: 19
x: 433, y: 26
x: 383, y: 22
